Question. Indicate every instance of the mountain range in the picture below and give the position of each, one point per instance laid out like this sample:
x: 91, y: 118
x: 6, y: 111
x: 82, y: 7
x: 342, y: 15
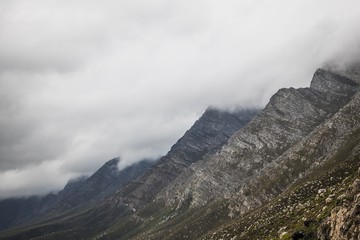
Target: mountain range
x: 287, y: 171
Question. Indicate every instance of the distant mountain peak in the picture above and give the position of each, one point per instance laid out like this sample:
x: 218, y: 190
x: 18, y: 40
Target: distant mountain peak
x: 106, y: 180
x: 112, y: 162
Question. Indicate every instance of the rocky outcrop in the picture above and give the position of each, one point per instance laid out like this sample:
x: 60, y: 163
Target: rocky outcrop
x: 344, y: 221
x: 290, y: 116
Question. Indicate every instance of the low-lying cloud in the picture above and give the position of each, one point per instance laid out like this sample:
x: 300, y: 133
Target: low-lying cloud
x: 82, y: 81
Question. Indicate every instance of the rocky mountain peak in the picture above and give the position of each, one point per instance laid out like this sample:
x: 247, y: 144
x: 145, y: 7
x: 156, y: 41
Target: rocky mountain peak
x: 111, y: 163
x: 108, y: 170
x: 326, y: 81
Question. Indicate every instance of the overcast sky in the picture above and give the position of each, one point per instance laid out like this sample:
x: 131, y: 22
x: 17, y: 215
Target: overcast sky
x: 83, y: 81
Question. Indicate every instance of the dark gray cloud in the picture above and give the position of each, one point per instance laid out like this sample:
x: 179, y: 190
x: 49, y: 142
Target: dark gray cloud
x: 82, y: 81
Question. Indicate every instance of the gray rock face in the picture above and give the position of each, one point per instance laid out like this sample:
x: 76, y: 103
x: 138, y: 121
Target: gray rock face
x: 289, y: 117
x: 204, y: 138
x: 344, y: 221
x: 321, y: 146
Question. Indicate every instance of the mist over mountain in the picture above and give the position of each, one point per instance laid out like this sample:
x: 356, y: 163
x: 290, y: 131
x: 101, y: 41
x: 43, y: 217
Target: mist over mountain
x: 86, y: 81
x: 288, y: 171
x: 141, y: 120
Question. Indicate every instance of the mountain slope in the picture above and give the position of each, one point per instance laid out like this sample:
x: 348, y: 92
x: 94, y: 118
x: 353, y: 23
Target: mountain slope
x: 319, y: 175
x: 205, y: 137
x: 290, y: 115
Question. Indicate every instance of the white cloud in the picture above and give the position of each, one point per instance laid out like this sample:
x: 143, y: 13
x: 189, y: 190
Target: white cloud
x: 36, y: 179
x: 82, y: 82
